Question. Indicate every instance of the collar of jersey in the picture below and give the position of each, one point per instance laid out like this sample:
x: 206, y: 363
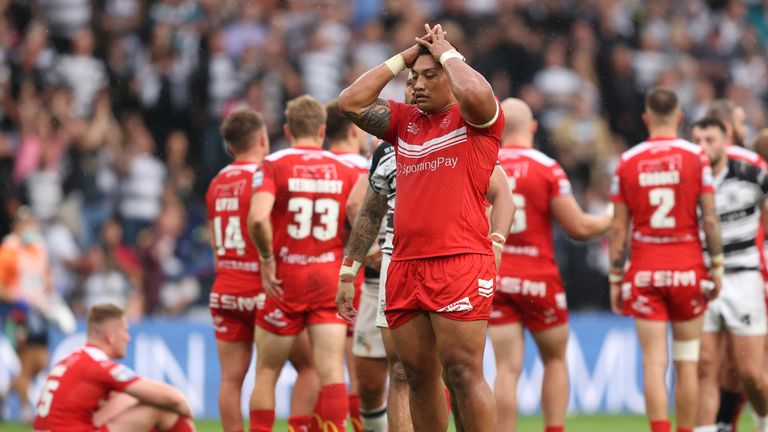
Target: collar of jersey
x: 308, y: 148
x: 672, y: 138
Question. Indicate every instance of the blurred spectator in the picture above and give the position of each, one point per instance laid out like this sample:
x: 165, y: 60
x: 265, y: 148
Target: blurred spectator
x: 142, y: 179
x: 83, y: 73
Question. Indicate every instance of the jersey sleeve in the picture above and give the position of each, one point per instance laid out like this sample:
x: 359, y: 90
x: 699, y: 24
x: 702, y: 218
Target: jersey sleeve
x: 114, y: 376
x: 616, y: 184
x: 559, y: 185
x: 494, y: 127
x: 395, y: 109
x: 382, y: 169
x: 707, y: 184
x: 265, y: 179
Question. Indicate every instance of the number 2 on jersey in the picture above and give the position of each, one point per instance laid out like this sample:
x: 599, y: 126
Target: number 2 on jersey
x: 304, y: 209
x: 664, y: 200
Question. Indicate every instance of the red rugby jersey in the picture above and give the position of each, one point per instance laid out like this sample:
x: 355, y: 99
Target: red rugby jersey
x: 228, y: 201
x: 75, y: 388
x: 660, y: 181
x: 444, y: 166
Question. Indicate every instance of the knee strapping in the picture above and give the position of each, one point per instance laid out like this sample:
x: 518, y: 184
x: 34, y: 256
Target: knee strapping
x: 687, y: 350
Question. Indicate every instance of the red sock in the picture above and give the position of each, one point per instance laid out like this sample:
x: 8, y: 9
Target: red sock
x: 335, y: 406
x: 300, y: 423
x: 316, y: 422
x: 354, y: 413
x: 554, y: 429
x: 262, y: 420
x: 680, y: 429
x: 181, y: 425
x: 661, y: 426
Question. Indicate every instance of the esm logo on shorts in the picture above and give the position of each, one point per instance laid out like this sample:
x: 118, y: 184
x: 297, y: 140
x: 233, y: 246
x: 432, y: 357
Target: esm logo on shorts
x: 235, y: 302
x: 665, y: 278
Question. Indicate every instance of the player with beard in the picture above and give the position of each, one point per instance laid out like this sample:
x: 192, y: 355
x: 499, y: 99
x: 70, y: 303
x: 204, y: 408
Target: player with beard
x: 739, y: 313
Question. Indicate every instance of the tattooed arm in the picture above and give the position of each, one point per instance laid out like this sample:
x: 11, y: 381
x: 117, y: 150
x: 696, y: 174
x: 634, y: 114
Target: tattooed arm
x: 367, y: 225
x: 618, y: 252
x: 360, y: 101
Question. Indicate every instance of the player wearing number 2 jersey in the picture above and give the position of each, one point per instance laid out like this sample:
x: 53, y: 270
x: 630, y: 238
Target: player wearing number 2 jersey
x: 530, y: 292
x: 658, y: 187
x: 88, y: 392
x: 296, y: 220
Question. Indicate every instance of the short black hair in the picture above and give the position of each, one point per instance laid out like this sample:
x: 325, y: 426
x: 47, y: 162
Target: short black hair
x: 661, y: 102
x: 707, y: 122
x: 423, y: 51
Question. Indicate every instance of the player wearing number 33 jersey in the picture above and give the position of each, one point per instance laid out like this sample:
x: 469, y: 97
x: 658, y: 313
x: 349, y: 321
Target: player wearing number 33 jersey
x: 660, y: 181
x: 311, y: 187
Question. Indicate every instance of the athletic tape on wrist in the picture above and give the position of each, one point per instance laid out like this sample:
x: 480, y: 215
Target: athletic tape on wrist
x: 349, y: 269
x: 267, y: 259
x: 396, y: 64
x: 451, y: 53
x: 717, y: 272
x: 498, y: 245
x: 717, y: 260
x: 501, y: 238
x: 616, y: 277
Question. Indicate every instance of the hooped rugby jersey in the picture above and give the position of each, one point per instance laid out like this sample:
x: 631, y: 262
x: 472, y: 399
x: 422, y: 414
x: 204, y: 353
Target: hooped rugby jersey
x: 444, y: 166
x: 382, y: 178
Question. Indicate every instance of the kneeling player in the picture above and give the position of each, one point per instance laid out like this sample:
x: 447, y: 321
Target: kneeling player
x: 71, y: 398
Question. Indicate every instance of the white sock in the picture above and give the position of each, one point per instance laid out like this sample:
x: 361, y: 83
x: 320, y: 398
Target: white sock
x: 709, y: 428
x: 761, y: 423
x: 375, y: 420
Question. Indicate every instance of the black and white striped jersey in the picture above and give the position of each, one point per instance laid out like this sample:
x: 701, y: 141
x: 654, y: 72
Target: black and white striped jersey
x: 740, y: 191
x: 382, y: 178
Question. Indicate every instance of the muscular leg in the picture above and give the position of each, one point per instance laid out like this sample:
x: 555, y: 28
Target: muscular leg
x: 328, y: 341
x: 415, y: 344
x: 234, y: 358
x: 552, y: 345
x: 372, y: 381
x: 460, y: 346
x: 709, y: 390
x: 653, y: 341
x: 687, y: 387
x: 307, y: 385
x: 508, y: 347
x: 144, y: 418
x: 273, y: 351
x: 749, y: 369
x: 398, y: 412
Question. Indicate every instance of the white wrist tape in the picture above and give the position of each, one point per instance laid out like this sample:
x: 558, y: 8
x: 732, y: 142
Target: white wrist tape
x: 451, y: 53
x: 717, y: 272
x: 615, y: 278
x: 686, y: 350
x: 498, y: 245
x: 349, y: 269
x: 396, y: 64
x: 717, y: 260
x: 499, y: 237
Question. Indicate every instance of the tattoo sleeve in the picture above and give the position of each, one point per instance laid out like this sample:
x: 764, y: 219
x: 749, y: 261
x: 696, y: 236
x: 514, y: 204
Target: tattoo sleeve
x: 367, y: 225
x: 374, y: 118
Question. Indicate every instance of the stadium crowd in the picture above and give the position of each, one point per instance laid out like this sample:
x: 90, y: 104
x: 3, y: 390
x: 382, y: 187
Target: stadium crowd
x: 109, y: 111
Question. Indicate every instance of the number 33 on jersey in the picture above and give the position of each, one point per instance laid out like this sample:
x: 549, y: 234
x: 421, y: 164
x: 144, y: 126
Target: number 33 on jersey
x: 311, y: 187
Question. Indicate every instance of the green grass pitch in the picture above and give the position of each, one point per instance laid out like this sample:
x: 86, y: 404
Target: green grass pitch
x: 606, y: 423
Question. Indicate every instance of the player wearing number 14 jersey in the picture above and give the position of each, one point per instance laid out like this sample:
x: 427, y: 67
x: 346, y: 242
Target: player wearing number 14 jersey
x: 297, y: 219
x: 659, y: 187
